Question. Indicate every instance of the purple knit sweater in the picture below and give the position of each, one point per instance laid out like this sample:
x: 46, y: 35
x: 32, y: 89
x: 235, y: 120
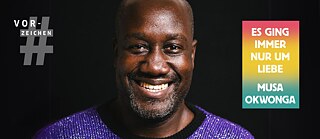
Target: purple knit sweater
x: 88, y: 124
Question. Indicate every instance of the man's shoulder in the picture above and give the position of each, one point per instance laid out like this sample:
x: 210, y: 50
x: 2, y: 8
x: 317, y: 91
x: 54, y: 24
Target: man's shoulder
x: 75, y: 123
x: 218, y: 127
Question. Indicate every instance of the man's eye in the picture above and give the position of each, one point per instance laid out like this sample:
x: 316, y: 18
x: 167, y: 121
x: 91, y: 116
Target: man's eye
x: 172, y: 49
x: 137, y: 49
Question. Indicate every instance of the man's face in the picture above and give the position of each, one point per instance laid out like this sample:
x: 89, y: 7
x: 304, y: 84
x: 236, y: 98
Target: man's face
x: 154, y: 58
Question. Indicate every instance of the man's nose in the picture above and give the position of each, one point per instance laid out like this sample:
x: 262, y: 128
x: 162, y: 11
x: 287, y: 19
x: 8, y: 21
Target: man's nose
x: 155, y: 64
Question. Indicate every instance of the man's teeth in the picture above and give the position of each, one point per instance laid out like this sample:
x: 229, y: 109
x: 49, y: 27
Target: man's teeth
x: 154, y: 88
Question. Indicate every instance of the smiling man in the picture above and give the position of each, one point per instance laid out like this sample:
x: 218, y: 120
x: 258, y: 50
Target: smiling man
x: 154, y: 61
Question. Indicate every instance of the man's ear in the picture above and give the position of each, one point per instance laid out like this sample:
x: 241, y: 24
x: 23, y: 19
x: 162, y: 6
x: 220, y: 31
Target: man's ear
x: 193, y: 54
x: 115, y: 51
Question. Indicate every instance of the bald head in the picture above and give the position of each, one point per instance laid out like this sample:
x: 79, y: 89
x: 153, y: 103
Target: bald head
x: 154, y: 47
x: 129, y: 10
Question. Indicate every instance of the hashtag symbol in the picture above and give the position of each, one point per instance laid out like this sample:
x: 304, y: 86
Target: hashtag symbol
x: 30, y: 48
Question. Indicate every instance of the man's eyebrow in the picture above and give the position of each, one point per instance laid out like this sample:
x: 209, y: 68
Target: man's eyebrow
x: 175, y: 36
x: 142, y: 36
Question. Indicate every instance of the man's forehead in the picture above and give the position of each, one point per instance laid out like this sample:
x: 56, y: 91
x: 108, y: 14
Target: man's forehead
x: 156, y: 16
x: 153, y: 5
x: 160, y: 12
x: 153, y: 2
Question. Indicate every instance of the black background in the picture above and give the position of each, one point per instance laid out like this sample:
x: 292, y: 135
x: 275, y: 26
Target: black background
x: 79, y: 74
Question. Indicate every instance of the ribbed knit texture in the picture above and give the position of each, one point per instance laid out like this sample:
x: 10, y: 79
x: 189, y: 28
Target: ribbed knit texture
x: 88, y: 124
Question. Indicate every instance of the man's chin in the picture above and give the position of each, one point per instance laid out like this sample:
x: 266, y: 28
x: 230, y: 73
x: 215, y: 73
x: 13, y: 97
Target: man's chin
x: 153, y: 109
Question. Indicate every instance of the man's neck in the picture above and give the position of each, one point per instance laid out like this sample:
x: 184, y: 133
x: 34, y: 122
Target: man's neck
x: 146, y: 128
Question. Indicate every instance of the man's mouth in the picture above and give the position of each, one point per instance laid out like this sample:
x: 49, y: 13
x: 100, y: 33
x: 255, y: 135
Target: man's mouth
x: 153, y: 87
